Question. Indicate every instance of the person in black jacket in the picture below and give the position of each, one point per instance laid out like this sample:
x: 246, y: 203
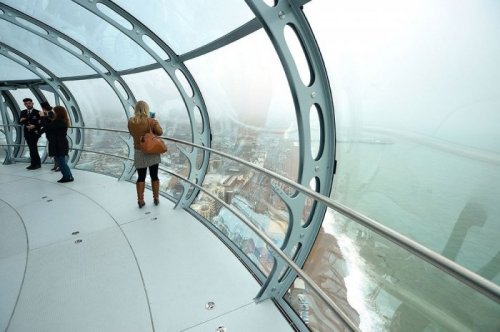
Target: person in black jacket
x: 30, y: 119
x: 57, y: 130
x: 47, y: 116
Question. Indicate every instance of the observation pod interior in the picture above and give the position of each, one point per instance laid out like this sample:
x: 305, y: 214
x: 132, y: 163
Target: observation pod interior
x: 331, y: 166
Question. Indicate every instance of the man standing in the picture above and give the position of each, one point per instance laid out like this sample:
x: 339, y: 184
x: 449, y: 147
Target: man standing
x: 30, y: 118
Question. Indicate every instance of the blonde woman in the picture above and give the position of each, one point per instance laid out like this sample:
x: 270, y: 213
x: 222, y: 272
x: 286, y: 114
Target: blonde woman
x: 138, y: 125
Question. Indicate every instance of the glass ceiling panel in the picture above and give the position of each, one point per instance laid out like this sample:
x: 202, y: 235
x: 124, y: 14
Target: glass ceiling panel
x: 88, y: 29
x: 186, y: 25
x: 57, y: 60
x: 10, y: 70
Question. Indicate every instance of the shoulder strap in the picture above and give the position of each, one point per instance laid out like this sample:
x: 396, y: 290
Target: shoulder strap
x: 149, y: 124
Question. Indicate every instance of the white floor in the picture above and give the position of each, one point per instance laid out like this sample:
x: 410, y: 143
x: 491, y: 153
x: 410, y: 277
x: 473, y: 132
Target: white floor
x: 127, y: 269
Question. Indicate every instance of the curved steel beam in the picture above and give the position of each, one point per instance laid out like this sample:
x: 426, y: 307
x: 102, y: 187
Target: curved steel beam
x: 54, y: 36
x: 8, y: 130
x: 59, y: 88
x: 194, y: 103
x: 307, y: 96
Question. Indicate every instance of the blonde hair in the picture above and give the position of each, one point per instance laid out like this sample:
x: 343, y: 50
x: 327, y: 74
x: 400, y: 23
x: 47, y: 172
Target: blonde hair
x: 141, y: 111
x: 60, y: 113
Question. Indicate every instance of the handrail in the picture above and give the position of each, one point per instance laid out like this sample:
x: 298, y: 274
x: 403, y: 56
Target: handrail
x: 262, y: 235
x: 280, y: 253
x: 459, y: 272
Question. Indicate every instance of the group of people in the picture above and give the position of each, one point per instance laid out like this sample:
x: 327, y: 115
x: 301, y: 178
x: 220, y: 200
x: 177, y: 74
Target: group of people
x: 54, y: 122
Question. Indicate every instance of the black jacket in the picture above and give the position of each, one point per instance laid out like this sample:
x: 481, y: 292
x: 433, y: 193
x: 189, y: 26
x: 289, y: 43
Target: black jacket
x: 32, y: 118
x: 50, y: 135
x: 56, y: 132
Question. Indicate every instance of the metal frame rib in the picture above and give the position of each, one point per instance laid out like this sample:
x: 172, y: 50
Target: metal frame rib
x: 59, y: 89
x: 193, y: 102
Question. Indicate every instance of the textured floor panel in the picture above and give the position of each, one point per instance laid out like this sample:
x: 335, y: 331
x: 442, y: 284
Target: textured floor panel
x: 11, y: 278
x: 90, y: 286
x: 197, y: 269
x: 13, y: 251
x: 254, y: 317
x: 53, y: 219
x: 96, y: 285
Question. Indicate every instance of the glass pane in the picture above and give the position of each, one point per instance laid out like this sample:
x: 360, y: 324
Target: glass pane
x: 233, y: 228
x: 298, y: 53
x: 101, y: 108
x: 186, y: 25
x: 249, y: 103
x: 418, y: 143
x: 251, y: 193
x: 100, y: 163
x: 386, y: 288
x: 314, y: 312
x: 10, y: 70
x: 54, y: 58
x: 156, y: 88
x: 88, y: 29
x: 99, y: 104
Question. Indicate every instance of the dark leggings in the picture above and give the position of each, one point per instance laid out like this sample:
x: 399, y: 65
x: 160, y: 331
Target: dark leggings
x: 153, y: 173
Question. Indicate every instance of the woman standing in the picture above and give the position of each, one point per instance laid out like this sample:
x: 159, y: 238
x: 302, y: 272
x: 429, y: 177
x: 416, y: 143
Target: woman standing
x: 138, y: 125
x: 57, y: 130
x: 47, y: 115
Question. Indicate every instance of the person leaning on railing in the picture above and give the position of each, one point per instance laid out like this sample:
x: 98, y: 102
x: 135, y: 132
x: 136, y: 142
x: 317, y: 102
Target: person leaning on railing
x: 138, y: 125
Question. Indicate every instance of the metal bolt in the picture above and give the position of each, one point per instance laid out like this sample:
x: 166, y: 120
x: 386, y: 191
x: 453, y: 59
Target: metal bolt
x: 281, y: 15
x: 78, y: 241
x: 313, y: 94
x: 221, y: 329
x: 210, y: 305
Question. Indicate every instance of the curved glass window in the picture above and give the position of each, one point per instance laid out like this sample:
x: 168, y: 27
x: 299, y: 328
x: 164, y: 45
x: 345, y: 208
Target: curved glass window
x: 157, y: 89
x: 57, y: 60
x: 415, y: 115
x: 88, y: 29
x: 186, y: 25
x: 101, y: 108
x: 10, y: 70
x: 250, y: 105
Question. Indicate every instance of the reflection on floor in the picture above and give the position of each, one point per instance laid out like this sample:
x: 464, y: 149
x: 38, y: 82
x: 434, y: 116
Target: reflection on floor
x: 81, y: 256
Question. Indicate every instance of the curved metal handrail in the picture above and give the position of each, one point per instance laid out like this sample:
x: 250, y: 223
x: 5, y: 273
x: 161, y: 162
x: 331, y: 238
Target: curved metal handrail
x: 261, y: 234
x: 459, y: 272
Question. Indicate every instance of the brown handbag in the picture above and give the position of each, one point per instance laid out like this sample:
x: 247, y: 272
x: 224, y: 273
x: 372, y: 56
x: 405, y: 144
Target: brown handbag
x: 152, y: 144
